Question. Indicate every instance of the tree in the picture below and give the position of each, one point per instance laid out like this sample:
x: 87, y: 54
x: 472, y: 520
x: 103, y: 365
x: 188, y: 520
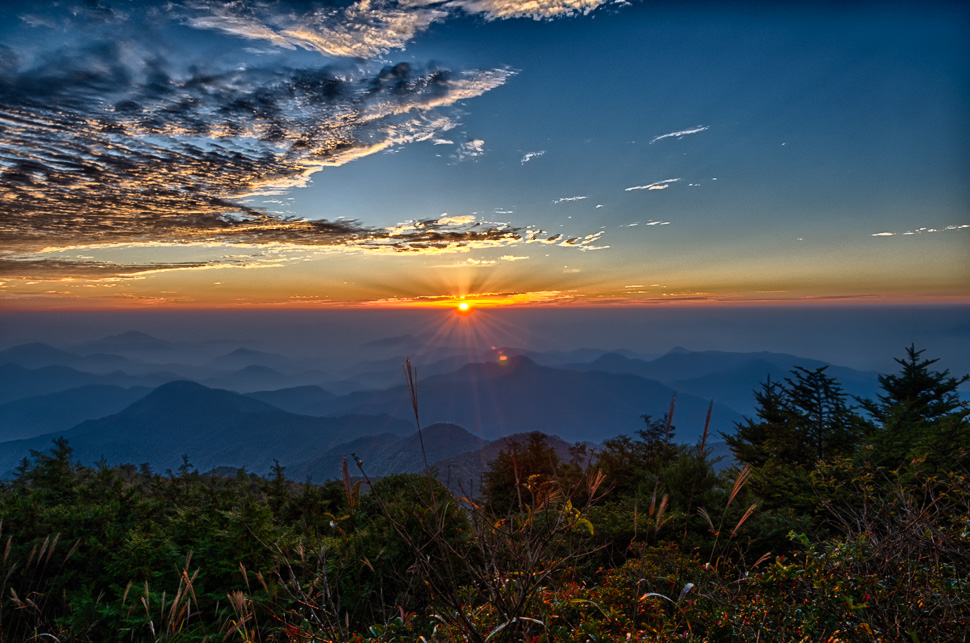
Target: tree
x: 803, y: 420
x: 817, y: 406
x: 504, y: 479
x: 757, y: 442
x: 918, y: 407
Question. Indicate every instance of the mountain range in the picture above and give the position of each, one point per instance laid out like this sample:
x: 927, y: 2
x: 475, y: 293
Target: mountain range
x: 135, y: 398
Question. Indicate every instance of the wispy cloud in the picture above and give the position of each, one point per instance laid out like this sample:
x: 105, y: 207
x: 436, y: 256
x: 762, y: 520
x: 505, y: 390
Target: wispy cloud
x: 568, y: 199
x: 114, y: 141
x: 470, y: 150
x: 535, y: 9
x: 659, y: 185
x: 361, y: 29
x: 480, y: 300
x: 99, y: 152
x: 468, y: 263
x: 923, y: 230
x: 532, y: 155
x: 681, y: 133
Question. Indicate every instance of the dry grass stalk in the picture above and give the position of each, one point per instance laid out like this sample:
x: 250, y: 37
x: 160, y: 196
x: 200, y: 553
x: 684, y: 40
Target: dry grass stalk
x: 746, y: 515
x: 660, y: 512
x: 739, y: 482
x: 706, y: 516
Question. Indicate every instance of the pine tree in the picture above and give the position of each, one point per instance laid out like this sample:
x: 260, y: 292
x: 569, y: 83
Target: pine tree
x: 918, y: 410
x: 817, y: 405
x: 756, y: 442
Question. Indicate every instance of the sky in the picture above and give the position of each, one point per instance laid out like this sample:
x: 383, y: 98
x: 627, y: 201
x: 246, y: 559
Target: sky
x: 193, y: 154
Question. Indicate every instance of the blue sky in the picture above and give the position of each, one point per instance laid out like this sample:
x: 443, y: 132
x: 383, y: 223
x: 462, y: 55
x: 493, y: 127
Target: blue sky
x: 570, y: 152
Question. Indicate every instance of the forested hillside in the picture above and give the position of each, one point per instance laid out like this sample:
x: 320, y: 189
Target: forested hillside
x: 846, y: 519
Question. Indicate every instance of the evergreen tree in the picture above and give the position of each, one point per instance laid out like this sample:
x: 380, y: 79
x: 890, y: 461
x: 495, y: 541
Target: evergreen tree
x: 511, y: 469
x: 817, y: 405
x: 757, y: 442
x: 919, y: 411
x: 800, y: 421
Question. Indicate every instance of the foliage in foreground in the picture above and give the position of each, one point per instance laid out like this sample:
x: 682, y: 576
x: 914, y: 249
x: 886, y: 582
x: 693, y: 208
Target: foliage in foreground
x: 841, y: 524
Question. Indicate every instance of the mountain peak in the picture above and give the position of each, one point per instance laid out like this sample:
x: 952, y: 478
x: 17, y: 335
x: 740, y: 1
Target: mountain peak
x: 131, y: 336
x: 188, y: 395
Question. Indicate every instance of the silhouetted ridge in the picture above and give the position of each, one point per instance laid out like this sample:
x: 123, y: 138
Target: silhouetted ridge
x: 35, y: 354
x: 188, y: 396
x: 512, y: 364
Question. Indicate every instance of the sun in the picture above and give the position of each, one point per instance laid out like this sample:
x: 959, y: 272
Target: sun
x: 464, y: 308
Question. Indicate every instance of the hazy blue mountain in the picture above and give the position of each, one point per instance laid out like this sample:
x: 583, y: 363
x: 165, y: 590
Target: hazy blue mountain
x: 251, y: 378
x: 130, y: 341
x: 243, y: 357
x: 576, y: 356
x: 517, y: 395
x: 681, y: 364
x: 733, y: 387
x: 33, y: 416
x: 213, y: 427
x: 17, y: 382
x: 399, y: 343
x: 295, y: 399
x: 37, y: 355
x: 727, y: 377
x: 343, y: 387
x: 386, y: 454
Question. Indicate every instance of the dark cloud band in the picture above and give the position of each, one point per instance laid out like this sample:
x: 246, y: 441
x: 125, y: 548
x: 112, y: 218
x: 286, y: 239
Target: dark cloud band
x: 93, y: 152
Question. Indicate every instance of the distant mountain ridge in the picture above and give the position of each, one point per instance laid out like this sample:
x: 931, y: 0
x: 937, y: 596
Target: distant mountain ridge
x: 482, y: 393
x: 385, y: 454
x: 60, y: 411
x: 517, y: 395
x: 17, y: 382
x: 213, y: 427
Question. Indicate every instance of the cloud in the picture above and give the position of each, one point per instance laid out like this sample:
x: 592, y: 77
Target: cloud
x: 480, y: 300
x: 532, y: 155
x: 364, y: 29
x: 567, y: 199
x: 512, y: 258
x: 357, y: 30
x: 582, y: 243
x: 681, y: 133
x: 441, y: 141
x: 535, y: 9
x: 43, y: 269
x: 924, y: 230
x: 468, y: 263
x: 457, y: 219
x: 659, y: 185
x: 470, y: 150
x: 97, y: 151
x: 108, y: 139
